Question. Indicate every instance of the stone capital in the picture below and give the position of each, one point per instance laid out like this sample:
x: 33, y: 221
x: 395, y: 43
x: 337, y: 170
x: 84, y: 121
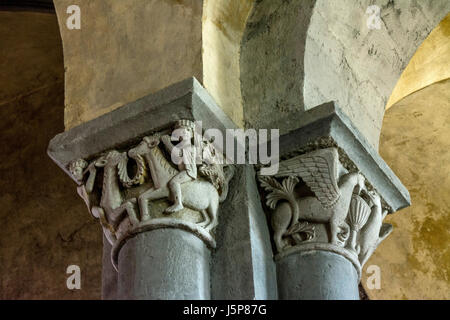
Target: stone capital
x: 126, y: 174
x: 332, y: 190
x: 180, y: 218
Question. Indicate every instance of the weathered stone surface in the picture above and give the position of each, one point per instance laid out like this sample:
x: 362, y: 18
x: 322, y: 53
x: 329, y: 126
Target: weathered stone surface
x: 327, y: 126
x: 296, y: 55
x: 164, y: 264
x: 272, y: 63
x: 317, y: 275
x: 126, y: 50
x: 109, y: 274
x: 243, y: 266
x: 224, y: 22
x: 128, y: 124
x: 45, y: 227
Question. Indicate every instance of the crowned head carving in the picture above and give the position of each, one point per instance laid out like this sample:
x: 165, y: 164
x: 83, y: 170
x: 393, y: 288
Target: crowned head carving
x: 184, y: 130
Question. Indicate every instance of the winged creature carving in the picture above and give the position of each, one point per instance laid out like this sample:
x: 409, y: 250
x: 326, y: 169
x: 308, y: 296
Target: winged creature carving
x: 320, y: 172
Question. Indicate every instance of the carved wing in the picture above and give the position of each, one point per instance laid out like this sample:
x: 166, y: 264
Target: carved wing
x: 319, y: 171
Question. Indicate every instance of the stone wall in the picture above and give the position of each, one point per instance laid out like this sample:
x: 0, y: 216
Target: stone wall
x: 45, y: 226
x: 126, y: 50
x: 297, y: 55
x: 415, y: 142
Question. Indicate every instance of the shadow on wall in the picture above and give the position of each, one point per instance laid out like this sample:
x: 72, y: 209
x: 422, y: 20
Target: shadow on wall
x: 272, y: 63
x: 45, y: 226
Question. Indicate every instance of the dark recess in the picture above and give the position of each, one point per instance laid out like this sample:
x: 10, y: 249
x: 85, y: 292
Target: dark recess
x: 28, y: 5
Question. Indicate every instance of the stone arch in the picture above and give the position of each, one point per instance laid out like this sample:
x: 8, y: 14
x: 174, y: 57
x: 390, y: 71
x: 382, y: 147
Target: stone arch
x: 272, y: 63
x: 312, y: 52
x: 113, y: 59
x: 430, y: 64
x: 224, y: 22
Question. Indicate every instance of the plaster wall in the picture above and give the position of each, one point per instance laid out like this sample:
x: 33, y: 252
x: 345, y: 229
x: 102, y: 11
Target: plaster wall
x: 45, y: 226
x: 415, y: 142
x: 296, y: 55
x: 223, y: 26
x: 126, y: 50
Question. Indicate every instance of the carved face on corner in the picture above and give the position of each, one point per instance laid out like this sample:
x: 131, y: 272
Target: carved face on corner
x: 76, y: 169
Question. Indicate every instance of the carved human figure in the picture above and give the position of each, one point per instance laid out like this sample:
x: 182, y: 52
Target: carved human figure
x: 374, y: 231
x: 184, y: 155
x: 319, y: 170
x: 200, y: 194
x: 79, y: 168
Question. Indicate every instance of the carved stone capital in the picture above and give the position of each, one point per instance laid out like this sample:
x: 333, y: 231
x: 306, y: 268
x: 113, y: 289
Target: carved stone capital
x: 160, y: 194
x: 332, y: 190
x: 128, y: 174
x: 316, y: 204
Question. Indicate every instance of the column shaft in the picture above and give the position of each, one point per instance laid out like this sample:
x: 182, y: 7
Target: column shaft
x: 164, y: 264
x: 317, y: 275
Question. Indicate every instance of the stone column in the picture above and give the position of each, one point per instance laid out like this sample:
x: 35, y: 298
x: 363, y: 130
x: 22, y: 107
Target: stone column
x: 327, y: 204
x: 164, y: 264
x: 109, y: 273
x: 124, y: 164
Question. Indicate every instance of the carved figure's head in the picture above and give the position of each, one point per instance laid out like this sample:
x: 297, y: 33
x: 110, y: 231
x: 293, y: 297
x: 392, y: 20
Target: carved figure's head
x: 152, y: 141
x: 374, y: 197
x: 110, y: 158
x: 76, y: 168
x: 145, y: 146
x: 361, y: 184
x: 184, y: 130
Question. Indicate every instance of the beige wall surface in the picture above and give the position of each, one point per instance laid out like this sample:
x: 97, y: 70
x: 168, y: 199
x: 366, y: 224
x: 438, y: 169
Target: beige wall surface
x: 126, y: 50
x: 430, y: 64
x: 45, y: 226
x: 224, y: 22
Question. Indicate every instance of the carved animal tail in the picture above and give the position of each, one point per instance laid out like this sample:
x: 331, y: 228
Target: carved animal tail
x: 385, y: 231
x: 295, y: 210
x: 229, y: 173
x: 282, y: 191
